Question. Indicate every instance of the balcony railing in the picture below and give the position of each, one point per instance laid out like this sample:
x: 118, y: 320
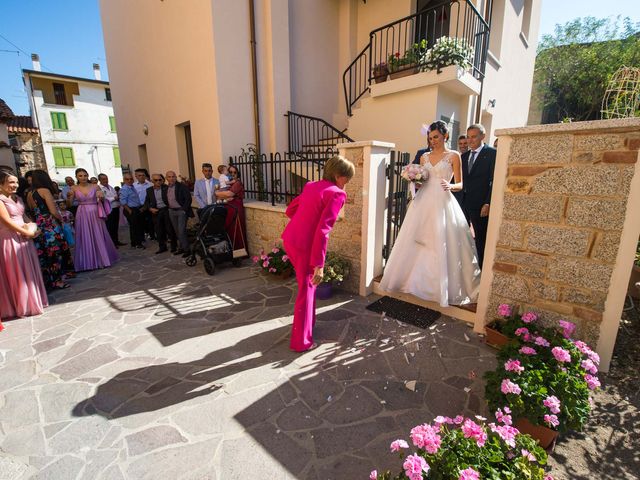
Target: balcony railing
x: 408, y: 44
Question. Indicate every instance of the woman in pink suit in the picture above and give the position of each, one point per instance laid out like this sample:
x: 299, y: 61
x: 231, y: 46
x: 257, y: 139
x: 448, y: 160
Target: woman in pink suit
x: 305, y: 239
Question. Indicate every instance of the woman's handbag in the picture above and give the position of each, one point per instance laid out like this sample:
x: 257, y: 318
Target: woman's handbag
x: 241, y: 252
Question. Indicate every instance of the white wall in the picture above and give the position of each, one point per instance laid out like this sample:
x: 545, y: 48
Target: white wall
x: 88, y: 127
x: 510, y: 83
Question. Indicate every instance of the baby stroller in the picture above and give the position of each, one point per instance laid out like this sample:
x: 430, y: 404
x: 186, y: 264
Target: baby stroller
x: 212, y: 243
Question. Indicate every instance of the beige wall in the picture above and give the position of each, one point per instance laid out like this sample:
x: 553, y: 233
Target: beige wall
x: 564, y: 225
x: 376, y: 13
x: 162, y: 72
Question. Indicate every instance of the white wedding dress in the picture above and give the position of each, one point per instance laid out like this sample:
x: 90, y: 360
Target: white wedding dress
x: 434, y: 256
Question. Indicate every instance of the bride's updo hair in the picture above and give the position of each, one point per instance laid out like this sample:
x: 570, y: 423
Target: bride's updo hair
x: 440, y: 126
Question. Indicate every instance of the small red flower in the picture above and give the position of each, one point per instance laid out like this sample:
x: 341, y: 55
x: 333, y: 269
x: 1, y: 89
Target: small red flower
x: 397, y: 54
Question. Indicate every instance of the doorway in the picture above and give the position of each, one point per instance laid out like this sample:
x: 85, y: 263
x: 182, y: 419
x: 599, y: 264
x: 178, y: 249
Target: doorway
x: 432, y: 21
x: 142, y: 156
x: 184, y: 143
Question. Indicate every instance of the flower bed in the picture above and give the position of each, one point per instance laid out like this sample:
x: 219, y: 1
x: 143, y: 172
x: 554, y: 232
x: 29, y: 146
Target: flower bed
x: 543, y: 375
x: 469, y: 449
x: 275, y: 262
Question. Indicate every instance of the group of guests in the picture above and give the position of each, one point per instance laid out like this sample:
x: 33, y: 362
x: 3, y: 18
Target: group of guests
x: 37, y: 231
x: 159, y: 209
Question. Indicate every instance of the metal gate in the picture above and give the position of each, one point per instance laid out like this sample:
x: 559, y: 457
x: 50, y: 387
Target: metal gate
x: 397, y: 201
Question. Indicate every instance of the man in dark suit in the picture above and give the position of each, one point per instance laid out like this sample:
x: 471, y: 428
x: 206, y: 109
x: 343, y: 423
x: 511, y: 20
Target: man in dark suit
x: 478, y: 165
x: 179, y: 210
x: 157, y: 202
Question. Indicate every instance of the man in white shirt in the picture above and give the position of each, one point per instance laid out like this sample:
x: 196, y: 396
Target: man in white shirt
x: 141, y: 185
x: 113, y: 219
x: 204, y: 189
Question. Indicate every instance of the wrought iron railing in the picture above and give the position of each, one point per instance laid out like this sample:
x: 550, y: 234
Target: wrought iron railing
x: 276, y: 177
x: 313, y: 138
x: 392, y: 46
x: 397, y: 201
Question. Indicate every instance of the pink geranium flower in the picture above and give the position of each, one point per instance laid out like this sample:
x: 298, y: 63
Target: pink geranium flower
x: 506, y: 433
x: 504, y: 417
x: 504, y: 310
x: 414, y: 465
x: 592, y: 382
x: 265, y: 264
x: 551, y: 420
x: 508, y: 386
x: 528, y: 351
x: 567, y: 328
x: 471, y: 429
x: 285, y: 258
x: 469, y: 474
x: 255, y: 259
x: 522, y: 331
x: 275, y: 250
x: 458, y: 419
x: 396, y: 445
x: 513, y: 366
x: 542, y: 342
x: 594, y: 357
x: 561, y: 355
x: 528, y: 455
x: 529, y: 317
x: 552, y: 403
x: 373, y: 475
x: 425, y: 436
x: 589, y: 366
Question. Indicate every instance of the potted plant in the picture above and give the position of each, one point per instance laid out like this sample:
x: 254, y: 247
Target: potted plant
x: 448, y: 51
x: 407, y: 64
x: 545, y: 378
x: 380, y: 72
x: 494, y: 336
x: 468, y: 449
x: 274, y: 262
x: 336, y: 269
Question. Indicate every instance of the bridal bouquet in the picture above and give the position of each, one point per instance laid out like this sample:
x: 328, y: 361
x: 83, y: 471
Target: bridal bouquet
x: 415, y: 173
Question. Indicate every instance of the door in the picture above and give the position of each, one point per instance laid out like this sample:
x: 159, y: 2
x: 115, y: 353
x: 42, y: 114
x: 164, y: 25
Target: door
x: 432, y: 21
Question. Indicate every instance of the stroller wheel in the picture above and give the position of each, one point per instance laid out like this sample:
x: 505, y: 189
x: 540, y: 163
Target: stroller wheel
x: 191, y: 261
x: 209, y: 266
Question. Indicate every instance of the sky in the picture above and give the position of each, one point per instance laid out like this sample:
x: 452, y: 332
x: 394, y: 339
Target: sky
x: 68, y: 36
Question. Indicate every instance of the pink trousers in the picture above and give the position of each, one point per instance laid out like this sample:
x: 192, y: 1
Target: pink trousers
x: 304, y: 312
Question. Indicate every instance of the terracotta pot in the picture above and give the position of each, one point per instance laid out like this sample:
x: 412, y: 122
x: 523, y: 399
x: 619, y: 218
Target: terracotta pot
x: 380, y: 78
x: 285, y: 274
x: 324, y: 291
x: 494, y: 338
x: 405, y: 72
x: 633, y: 279
x: 545, y: 436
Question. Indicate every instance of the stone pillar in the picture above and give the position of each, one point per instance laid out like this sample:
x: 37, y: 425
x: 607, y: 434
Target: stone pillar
x: 562, y: 235
x: 360, y: 234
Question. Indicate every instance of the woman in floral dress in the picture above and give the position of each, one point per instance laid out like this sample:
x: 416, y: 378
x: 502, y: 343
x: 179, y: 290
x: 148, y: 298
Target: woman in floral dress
x: 53, y: 251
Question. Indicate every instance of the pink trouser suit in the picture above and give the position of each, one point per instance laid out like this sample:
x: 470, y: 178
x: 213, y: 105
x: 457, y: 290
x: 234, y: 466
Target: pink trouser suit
x: 305, y: 239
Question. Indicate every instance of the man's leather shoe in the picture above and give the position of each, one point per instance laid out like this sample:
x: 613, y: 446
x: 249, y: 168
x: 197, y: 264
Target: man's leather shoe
x: 162, y: 250
x: 186, y: 254
x: 141, y: 247
x: 177, y: 252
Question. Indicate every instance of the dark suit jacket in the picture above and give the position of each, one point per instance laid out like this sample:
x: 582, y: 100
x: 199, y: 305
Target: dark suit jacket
x: 183, y: 197
x: 476, y: 186
x: 419, y: 153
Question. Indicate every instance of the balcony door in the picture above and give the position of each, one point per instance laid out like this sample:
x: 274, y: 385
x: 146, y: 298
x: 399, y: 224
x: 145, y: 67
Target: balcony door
x: 433, y: 20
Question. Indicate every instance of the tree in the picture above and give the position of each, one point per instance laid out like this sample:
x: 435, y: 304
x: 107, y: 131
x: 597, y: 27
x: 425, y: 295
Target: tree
x: 575, y: 64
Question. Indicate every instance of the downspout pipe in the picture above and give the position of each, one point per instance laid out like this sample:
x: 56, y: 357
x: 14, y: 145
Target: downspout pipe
x: 489, y: 15
x: 254, y: 72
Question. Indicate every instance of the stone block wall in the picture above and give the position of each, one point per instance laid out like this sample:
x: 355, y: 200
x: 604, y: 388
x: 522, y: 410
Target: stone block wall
x: 564, y: 208
x: 265, y: 224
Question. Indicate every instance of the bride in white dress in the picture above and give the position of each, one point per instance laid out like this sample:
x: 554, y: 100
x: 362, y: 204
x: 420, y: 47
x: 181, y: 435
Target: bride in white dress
x: 434, y: 256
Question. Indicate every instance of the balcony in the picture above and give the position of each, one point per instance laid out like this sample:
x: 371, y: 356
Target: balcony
x: 449, y: 41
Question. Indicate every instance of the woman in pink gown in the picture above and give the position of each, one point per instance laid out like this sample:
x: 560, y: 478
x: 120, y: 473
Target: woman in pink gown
x: 94, y: 247
x: 305, y: 239
x: 22, y: 291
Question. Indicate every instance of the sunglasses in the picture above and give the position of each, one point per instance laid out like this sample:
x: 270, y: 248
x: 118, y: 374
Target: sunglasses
x: 157, y: 179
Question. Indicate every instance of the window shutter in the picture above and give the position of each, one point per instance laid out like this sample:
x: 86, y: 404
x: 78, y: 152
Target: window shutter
x: 112, y: 123
x: 57, y: 157
x: 54, y: 121
x: 116, y: 157
x: 62, y: 120
x: 67, y: 154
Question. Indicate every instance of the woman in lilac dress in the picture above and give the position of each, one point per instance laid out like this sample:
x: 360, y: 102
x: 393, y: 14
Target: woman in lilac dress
x: 94, y: 247
x: 22, y: 291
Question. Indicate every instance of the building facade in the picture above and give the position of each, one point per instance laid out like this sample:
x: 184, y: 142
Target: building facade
x: 76, y: 123
x: 6, y: 156
x: 26, y: 144
x: 198, y: 84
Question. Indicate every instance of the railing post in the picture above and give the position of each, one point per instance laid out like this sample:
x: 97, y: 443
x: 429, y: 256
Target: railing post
x: 273, y: 195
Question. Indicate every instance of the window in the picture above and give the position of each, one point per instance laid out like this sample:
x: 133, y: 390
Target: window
x: 59, y: 94
x: 112, y: 124
x: 107, y: 94
x: 116, y: 157
x: 59, y: 121
x: 63, y: 157
x: 526, y: 19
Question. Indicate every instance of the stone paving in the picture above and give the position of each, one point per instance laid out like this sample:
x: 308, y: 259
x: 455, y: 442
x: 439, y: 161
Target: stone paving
x: 151, y: 369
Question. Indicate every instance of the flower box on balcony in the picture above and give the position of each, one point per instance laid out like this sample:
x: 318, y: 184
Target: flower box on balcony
x: 405, y: 72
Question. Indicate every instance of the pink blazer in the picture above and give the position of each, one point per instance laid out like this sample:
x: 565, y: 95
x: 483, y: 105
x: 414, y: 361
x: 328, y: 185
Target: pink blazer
x: 312, y: 215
